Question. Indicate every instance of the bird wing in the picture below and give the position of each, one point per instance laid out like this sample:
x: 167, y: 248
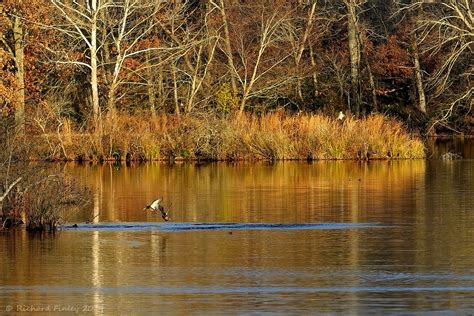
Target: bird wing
x: 155, y: 204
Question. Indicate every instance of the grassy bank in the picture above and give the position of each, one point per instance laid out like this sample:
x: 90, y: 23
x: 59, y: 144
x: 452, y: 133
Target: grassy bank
x: 272, y: 136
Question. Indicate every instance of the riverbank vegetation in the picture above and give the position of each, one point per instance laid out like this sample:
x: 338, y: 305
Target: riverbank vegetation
x: 76, y: 64
x: 30, y: 195
x: 272, y: 136
x: 39, y: 202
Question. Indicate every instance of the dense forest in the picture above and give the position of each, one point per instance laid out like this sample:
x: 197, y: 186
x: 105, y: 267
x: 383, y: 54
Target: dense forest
x: 81, y: 65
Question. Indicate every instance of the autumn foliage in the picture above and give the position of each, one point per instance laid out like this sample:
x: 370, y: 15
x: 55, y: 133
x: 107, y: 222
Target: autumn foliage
x: 84, y: 66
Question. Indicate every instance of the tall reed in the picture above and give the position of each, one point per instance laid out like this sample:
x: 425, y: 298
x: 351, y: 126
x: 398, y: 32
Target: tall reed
x: 270, y: 136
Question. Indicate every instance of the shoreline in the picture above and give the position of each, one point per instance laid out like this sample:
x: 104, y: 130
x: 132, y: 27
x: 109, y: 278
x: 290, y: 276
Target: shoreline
x: 255, y: 159
x: 270, y: 137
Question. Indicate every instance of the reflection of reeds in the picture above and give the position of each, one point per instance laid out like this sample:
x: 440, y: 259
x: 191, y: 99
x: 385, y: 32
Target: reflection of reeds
x: 271, y: 136
x: 243, y: 191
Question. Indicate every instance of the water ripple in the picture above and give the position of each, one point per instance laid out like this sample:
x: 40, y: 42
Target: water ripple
x: 228, y: 290
x: 176, y: 227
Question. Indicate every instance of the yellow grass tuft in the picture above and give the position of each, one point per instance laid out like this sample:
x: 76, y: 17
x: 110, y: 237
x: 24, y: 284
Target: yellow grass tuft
x: 271, y: 136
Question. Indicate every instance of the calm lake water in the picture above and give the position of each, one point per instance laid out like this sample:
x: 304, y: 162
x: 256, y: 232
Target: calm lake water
x: 251, y: 238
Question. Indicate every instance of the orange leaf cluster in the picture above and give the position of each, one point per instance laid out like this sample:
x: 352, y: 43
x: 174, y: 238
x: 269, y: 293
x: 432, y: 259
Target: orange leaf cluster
x: 391, y: 60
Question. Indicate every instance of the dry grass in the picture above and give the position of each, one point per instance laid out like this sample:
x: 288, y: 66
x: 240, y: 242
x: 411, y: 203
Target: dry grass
x: 271, y: 136
x: 43, y: 203
x: 52, y: 199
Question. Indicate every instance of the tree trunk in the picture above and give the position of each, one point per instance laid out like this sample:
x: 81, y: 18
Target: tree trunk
x: 228, y: 48
x: 315, y: 72
x: 151, y: 85
x: 416, y: 67
x: 20, y: 72
x: 111, y: 97
x: 302, y: 46
x: 372, y: 83
x: 418, y: 77
x: 194, y: 83
x: 160, y: 86
x: 363, y: 46
x: 175, y: 89
x: 243, y: 101
x: 106, y: 59
x: 354, y: 50
x: 93, y: 52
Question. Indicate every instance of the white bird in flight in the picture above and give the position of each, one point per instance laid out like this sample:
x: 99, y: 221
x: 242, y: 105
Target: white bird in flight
x: 156, y: 206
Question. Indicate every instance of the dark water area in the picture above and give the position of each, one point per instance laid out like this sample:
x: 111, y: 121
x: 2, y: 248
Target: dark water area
x: 252, y: 238
x: 461, y: 146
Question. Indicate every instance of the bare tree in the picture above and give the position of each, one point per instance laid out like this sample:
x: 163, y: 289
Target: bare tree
x: 418, y: 72
x: 200, y: 72
x: 444, y: 28
x: 412, y: 16
x: 354, y: 53
x: 220, y: 5
x: 260, y: 50
x: 300, y: 42
x: 80, y: 22
x: 128, y: 24
x: 182, y: 63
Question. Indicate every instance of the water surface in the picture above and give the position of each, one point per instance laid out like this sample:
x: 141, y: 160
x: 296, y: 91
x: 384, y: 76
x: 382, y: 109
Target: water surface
x: 289, y: 238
